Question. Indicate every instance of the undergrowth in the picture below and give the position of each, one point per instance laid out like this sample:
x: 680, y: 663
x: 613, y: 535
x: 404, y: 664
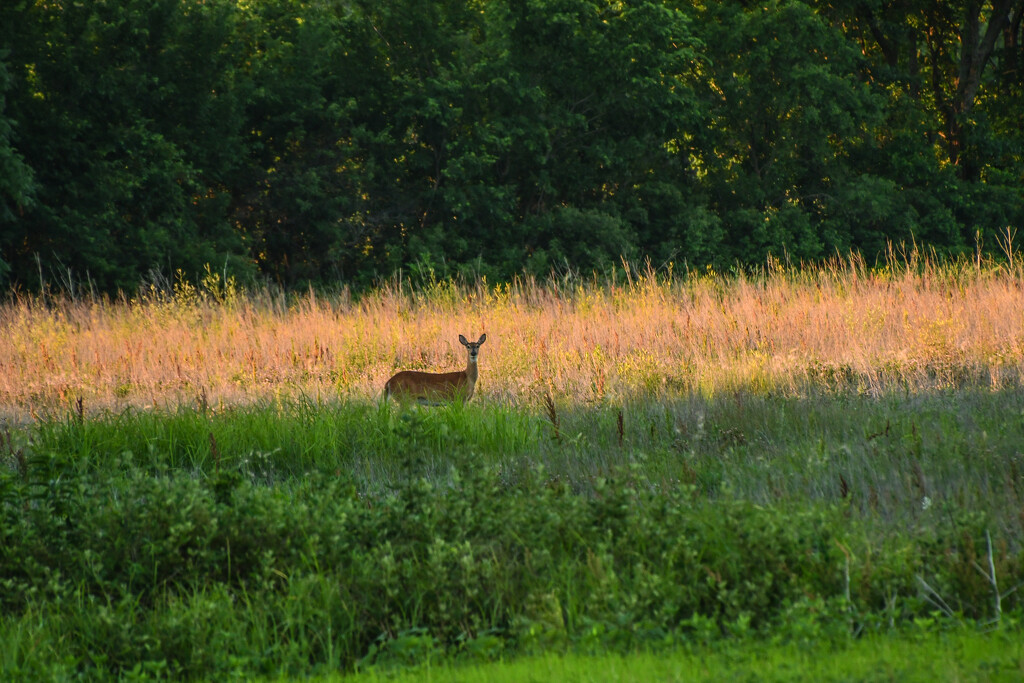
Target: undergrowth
x: 300, y: 539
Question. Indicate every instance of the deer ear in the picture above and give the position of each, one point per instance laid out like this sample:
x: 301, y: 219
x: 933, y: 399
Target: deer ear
x: 463, y: 340
x: 483, y: 338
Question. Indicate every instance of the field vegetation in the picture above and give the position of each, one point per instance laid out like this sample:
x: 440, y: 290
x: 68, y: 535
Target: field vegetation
x: 203, y: 482
x: 911, y: 326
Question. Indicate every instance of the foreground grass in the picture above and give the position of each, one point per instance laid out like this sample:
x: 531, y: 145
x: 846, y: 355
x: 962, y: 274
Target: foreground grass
x: 928, y: 657
x: 301, y: 538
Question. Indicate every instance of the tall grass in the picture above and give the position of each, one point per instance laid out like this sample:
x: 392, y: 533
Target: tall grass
x: 914, y: 324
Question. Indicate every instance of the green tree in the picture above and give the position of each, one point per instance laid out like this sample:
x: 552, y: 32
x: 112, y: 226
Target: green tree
x: 341, y: 141
x: 942, y: 55
x: 17, y: 182
x: 574, y: 104
x: 788, y: 112
x: 952, y: 138
x: 125, y: 116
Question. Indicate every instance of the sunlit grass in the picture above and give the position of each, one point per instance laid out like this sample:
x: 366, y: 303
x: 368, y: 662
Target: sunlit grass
x: 912, y: 325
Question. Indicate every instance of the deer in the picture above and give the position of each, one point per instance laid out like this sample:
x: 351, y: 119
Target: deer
x: 435, y: 387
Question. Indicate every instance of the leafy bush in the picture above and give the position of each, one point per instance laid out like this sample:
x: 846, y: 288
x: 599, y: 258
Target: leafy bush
x: 194, y: 575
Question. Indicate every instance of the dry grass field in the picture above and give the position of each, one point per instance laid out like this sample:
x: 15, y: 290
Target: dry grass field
x: 912, y: 325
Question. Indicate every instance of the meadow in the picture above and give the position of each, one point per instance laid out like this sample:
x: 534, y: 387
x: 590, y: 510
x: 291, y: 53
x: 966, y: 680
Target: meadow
x: 912, y: 325
x: 200, y: 482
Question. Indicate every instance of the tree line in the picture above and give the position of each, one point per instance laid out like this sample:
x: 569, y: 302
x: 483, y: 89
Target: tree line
x: 318, y: 141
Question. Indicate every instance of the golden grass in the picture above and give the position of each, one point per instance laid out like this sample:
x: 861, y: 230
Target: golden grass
x: 841, y: 326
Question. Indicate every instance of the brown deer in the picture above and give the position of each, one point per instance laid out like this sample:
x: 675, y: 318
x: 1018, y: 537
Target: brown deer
x: 437, y: 387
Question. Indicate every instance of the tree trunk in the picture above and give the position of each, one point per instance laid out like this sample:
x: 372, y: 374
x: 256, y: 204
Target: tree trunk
x: 975, y: 51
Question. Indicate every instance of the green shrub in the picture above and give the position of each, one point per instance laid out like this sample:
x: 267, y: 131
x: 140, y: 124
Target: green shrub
x: 192, y: 576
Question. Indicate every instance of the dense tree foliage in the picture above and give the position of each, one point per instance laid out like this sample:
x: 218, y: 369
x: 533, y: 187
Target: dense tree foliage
x: 339, y: 140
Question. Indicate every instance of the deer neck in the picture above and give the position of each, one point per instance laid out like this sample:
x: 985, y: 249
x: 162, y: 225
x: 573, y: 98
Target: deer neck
x: 471, y: 371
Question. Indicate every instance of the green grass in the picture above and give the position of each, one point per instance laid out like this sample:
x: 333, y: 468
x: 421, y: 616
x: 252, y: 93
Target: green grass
x: 896, y: 461
x: 960, y: 655
x: 299, y: 537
